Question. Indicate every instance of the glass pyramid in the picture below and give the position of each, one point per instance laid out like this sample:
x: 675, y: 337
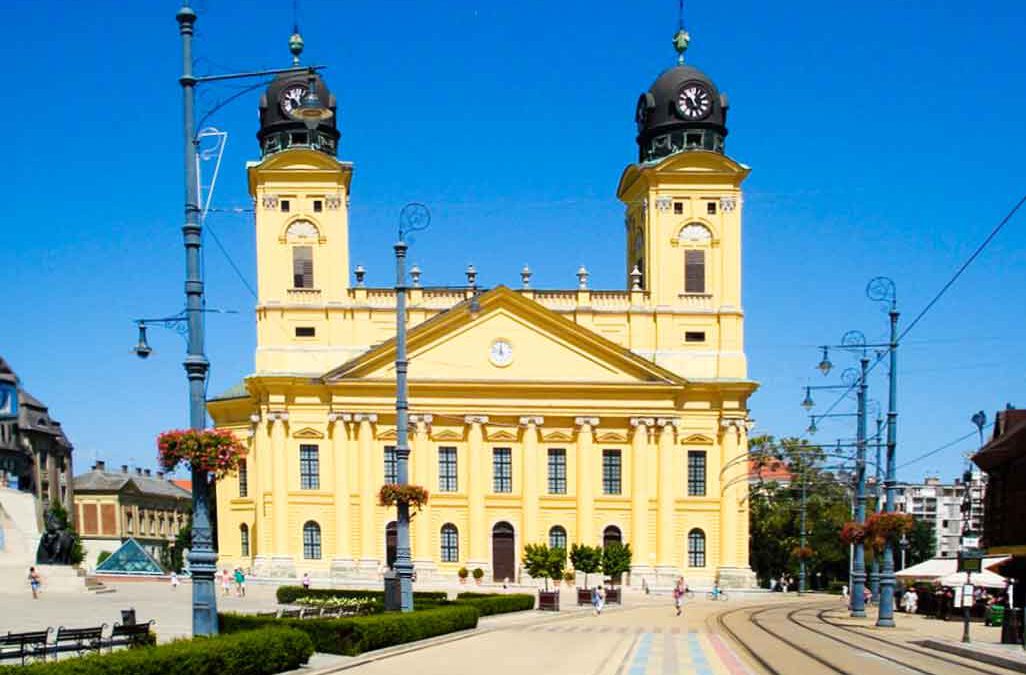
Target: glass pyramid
x: 131, y: 558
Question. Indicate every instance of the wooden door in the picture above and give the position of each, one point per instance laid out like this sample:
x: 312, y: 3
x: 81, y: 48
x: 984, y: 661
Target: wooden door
x: 504, y: 558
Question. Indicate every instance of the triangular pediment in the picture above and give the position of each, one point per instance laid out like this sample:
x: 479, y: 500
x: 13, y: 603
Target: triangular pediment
x: 506, y: 338
x: 558, y: 436
x: 502, y: 435
x: 387, y: 435
x: 307, y: 432
x: 611, y: 437
x: 698, y: 439
x: 447, y: 435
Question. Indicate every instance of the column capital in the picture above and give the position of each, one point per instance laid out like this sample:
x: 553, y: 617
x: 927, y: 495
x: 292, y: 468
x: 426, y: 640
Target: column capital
x: 476, y: 419
x: 642, y: 421
x: 666, y: 422
x: 334, y: 416
x: 732, y: 423
x: 277, y: 416
x: 536, y: 420
x: 365, y: 417
x: 586, y: 421
x: 422, y: 418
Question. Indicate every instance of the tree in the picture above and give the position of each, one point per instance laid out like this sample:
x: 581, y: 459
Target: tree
x: 587, y: 559
x: 922, y: 542
x: 543, y: 562
x: 616, y: 559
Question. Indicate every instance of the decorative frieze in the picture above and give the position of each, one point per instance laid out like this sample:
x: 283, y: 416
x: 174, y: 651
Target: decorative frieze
x: 270, y: 202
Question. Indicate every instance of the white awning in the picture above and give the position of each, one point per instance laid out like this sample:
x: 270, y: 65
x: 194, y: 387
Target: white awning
x: 942, y: 568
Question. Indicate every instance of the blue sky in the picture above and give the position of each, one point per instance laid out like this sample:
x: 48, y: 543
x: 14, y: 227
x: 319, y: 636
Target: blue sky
x: 885, y: 139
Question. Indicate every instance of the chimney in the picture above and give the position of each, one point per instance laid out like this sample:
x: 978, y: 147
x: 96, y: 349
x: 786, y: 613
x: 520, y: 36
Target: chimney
x: 124, y: 468
x: 147, y: 472
x: 138, y: 471
x: 160, y: 475
x: 99, y: 466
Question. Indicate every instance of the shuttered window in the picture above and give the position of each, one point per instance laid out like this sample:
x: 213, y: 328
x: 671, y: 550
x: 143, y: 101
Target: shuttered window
x: 694, y: 271
x: 302, y: 267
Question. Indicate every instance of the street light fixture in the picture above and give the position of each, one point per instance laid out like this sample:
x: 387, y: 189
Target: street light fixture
x: 824, y: 364
x: 310, y: 110
x: 142, y: 348
x: 808, y: 403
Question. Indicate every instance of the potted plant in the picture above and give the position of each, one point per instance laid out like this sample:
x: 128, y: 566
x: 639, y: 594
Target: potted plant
x: 542, y: 562
x: 616, y: 560
x: 216, y: 451
x: 463, y: 573
x: 391, y: 494
x: 478, y: 575
x: 587, y: 559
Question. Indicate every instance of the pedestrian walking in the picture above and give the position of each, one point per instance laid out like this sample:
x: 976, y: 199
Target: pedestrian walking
x: 35, y: 581
x: 867, y: 596
x: 240, y: 582
x: 601, y: 599
x: 595, y: 600
x: 226, y: 582
x: 678, y: 596
x: 306, y: 581
x: 174, y: 580
x: 844, y: 593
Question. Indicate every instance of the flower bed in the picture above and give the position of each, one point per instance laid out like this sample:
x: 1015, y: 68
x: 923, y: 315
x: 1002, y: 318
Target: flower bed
x: 259, y: 652
x: 351, y: 636
x: 349, y: 606
x: 288, y: 595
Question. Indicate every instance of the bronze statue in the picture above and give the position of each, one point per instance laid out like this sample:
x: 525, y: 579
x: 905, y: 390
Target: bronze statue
x: 56, y: 544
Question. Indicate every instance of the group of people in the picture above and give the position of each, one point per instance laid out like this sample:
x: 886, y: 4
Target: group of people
x: 783, y: 583
x: 238, y: 577
x: 867, y: 595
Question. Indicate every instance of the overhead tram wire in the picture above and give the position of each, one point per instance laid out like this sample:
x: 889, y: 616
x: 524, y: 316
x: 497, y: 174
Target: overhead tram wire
x: 943, y: 447
x: 975, y: 254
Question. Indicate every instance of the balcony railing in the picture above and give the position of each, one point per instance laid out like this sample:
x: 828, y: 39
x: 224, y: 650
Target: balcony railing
x: 303, y: 296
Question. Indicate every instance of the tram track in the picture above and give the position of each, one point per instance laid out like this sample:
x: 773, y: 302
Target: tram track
x: 939, y: 663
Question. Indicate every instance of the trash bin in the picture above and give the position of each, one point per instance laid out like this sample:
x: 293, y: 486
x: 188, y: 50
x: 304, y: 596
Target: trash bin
x: 995, y: 615
x: 128, y: 617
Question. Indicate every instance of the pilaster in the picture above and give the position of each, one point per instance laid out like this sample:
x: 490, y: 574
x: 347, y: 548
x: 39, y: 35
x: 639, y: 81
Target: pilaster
x: 476, y: 485
x: 641, y: 568
x: 339, y: 428
x: 665, y: 546
x: 282, y: 563
x: 731, y: 573
x: 587, y: 475
x: 423, y: 560
x: 369, y: 558
x: 532, y: 476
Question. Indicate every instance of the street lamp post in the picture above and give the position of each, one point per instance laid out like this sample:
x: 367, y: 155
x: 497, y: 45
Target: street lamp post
x: 412, y: 218
x: 882, y: 289
x: 190, y: 323
x: 801, y: 545
x: 858, y: 601
x: 874, y: 569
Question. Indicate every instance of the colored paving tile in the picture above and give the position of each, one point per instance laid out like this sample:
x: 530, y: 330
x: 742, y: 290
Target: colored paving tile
x: 673, y: 651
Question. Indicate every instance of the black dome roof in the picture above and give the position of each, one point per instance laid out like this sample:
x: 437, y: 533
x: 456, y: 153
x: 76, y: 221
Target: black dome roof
x: 278, y: 131
x: 664, y: 129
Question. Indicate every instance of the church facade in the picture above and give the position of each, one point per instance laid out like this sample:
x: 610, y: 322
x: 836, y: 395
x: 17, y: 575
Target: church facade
x: 568, y: 416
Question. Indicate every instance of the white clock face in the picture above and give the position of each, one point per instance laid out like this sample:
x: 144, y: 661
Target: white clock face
x: 694, y: 102
x: 292, y: 97
x: 501, y: 353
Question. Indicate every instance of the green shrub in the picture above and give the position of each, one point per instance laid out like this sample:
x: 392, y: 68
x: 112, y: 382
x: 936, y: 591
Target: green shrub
x: 263, y: 652
x: 288, y: 595
x: 478, y: 573
x: 103, y: 555
x: 496, y: 603
x: 354, y: 635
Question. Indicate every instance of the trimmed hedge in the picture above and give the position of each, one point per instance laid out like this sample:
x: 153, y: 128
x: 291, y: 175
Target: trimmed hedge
x: 496, y: 603
x: 289, y: 594
x: 263, y: 652
x: 351, y: 636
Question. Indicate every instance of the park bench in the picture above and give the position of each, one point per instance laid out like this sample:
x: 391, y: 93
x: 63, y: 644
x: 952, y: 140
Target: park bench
x: 291, y: 614
x: 79, y: 640
x: 130, y: 635
x: 28, y: 645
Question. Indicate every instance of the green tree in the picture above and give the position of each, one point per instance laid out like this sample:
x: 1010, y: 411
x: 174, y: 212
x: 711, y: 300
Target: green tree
x: 543, y: 562
x: 587, y: 559
x: 922, y: 542
x: 616, y: 559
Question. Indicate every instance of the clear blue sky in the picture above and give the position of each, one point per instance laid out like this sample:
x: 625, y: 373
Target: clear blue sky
x: 885, y: 138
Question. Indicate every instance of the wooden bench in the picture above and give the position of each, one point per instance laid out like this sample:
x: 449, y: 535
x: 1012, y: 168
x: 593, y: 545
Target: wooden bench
x: 79, y: 640
x: 130, y: 635
x: 27, y: 645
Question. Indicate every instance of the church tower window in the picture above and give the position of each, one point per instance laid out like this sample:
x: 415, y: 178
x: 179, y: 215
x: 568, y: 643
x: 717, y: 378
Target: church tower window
x: 694, y: 271
x: 302, y: 267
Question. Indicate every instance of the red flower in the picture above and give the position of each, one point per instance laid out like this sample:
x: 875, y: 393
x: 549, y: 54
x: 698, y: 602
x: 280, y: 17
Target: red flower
x: 217, y: 451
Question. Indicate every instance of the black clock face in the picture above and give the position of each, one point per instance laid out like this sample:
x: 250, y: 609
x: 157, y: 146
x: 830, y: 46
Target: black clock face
x: 694, y: 101
x: 291, y: 98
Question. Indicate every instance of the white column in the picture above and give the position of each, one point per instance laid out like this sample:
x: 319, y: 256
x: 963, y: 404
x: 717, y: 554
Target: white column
x: 641, y: 567
x: 342, y: 563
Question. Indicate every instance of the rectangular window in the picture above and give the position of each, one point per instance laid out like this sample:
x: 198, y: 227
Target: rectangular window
x: 309, y: 468
x: 611, y: 472
x: 502, y: 470
x: 318, y: 205
x: 696, y: 473
x: 285, y: 206
x: 557, y: 471
x: 302, y: 267
x: 243, y: 479
x: 694, y: 336
x: 710, y: 208
x: 306, y: 331
x: 447, y: 470
x: 694, y: 271
x: 391, y: 465
x: 244, y: 540
x: 678, y: 208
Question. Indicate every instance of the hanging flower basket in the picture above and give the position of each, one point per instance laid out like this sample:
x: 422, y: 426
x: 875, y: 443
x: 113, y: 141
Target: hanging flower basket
x: 394, y: 493
x: 888, y: 526
x: 801, y: 552
x: 217, y: 451
x: 853, y: 533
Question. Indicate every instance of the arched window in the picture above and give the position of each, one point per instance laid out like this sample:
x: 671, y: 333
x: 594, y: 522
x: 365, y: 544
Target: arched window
x: 244, y: 539
x: 695, y: 238
x: 696, y: 548
x: 611, y: 534
x: 557, y: 537
x: 450, y: 543
x: 301, y: 229
x: 312, y: 541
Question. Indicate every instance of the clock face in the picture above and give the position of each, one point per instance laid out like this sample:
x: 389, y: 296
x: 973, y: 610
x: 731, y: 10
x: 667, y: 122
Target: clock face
x: 291, y: 98
x: 501, y: 353
x: 694, y: 101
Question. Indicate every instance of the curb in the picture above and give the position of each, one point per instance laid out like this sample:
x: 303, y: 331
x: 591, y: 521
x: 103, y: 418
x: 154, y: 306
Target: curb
x: 977, y: 655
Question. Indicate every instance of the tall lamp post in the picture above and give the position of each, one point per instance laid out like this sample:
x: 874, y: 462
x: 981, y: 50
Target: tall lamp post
x: 412, y: 218
x: 202, y: 555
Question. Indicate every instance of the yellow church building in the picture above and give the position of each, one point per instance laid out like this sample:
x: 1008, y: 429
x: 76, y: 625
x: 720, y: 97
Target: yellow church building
x: 559, y: 416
